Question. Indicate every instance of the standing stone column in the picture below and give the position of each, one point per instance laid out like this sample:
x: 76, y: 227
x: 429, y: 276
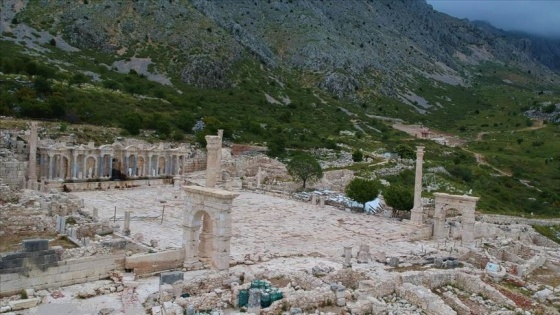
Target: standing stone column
x: 32, y: 167
x: 126, y: 228
x: 213, y: 148
x: 50, y: 174
x: 75, y: 165
x: 322, y: 201
x: 150, y: 164
x: 84, y: 168
x: 416, y: 215
x: 221, y: 135
x: 259, y: 178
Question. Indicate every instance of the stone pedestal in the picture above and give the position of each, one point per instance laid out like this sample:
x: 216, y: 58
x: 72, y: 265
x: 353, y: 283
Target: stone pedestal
x: 347, y: 257
x: 254, y: 305
x: 364, y: 256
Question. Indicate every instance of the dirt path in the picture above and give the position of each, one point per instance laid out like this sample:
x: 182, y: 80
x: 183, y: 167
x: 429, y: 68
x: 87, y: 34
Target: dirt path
x: 481, y: 160
x: 538, y: 124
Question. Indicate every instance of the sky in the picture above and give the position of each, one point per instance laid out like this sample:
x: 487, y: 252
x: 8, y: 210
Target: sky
x: 541, y: 17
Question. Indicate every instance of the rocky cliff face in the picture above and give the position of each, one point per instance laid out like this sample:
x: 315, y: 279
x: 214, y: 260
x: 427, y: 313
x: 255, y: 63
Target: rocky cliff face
x: 351, y: 47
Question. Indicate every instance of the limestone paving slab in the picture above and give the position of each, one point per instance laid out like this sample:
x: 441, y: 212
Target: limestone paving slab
x: 260, y: 223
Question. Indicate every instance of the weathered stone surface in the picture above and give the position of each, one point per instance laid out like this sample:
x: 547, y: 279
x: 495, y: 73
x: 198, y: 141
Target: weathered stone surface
x: 24, y: 304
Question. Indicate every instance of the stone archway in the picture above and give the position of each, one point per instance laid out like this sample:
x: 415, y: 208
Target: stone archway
x: 466, y: 205
x: 207, y: 227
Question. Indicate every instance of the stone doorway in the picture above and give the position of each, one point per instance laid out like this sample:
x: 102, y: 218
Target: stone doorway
x: 207, y: 227
x: 453, y: 204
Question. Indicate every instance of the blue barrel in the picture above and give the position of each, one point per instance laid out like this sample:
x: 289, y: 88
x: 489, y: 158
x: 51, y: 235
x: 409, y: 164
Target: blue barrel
x: 256, y: 284
x: 265, y: 300
x: 243, y: 298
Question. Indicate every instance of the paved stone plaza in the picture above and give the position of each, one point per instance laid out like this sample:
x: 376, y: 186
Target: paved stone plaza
x: 262, y: 224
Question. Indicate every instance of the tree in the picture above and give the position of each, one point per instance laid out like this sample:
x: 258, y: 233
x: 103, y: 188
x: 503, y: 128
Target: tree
x: 305, y: 168
x: 399, y: 197
x: 78, y: 79
x: 357, y: 156
x: 132, y: 123
x: 405, y: 152
x: 362, y: 190
x: 42, y: 86
x: 276, y: 147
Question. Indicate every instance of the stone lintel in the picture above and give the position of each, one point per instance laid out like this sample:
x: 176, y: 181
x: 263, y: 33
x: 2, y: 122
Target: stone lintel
x: 456, y: 197
x: 211, y: 192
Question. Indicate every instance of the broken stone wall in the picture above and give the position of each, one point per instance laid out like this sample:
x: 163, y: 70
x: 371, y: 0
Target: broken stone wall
x: 15, y: 218
x: 36, y: 255
x: 334, y: 180
x: 12, y: 172
x: 32, y: 211
x: 68, y: 272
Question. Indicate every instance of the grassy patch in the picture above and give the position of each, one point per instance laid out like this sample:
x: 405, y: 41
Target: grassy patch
x: 551, y: 232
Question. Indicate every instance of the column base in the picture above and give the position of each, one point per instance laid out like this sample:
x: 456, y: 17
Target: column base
x: 417, y: 216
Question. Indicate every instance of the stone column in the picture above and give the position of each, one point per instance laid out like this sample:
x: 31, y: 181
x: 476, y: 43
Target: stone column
x: 50, y: 174
x: 126, y: 163
x: 213, y: 148
x: 322, y: 201
x: 221, y: 135
x: 126, y: 228
x: 150, y: 164
x: 102, y: 166
x: 313, y: 199
x: 84, y: 169
x: 61, y: 166
x: 32, y: 167
x: 41, y: 166
x: 416, y: 215
x: 75, y: 165
x: 259, y: 178
x: 110, y: 165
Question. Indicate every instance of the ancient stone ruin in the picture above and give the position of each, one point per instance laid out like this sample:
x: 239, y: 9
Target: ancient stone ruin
x: 226, y: 235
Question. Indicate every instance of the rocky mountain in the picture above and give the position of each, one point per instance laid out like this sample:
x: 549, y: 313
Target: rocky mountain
x: 353, y: 49
x: 544, y: 50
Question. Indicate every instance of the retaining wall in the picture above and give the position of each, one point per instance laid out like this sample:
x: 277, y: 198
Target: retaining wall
x: 104, y: 185
x: 68, y: 272
x: 504, y: 219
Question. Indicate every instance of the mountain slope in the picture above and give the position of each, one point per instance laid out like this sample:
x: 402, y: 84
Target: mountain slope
x: 357, y: 48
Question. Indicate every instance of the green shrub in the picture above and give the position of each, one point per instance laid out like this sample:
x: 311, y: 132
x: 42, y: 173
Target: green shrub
x: 362, y: 190
x: 399, y: 197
